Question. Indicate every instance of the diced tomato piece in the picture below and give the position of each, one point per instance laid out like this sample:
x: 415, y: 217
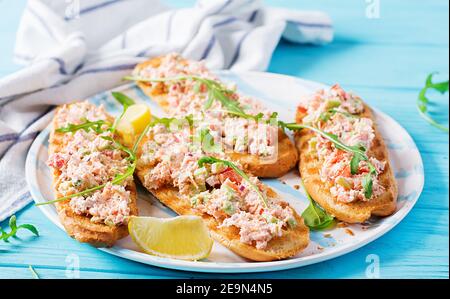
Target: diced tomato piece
x: 203, y: 88
x: 338, y: 156
x: 301, y: 109
x: 56, y: 161
x: 364, y: 169
x: 346, y: 172
x: 231, y: 175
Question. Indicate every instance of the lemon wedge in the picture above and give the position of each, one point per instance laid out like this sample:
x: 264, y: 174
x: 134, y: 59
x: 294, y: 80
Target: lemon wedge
x: 133, y: 123
x: 183, y: 237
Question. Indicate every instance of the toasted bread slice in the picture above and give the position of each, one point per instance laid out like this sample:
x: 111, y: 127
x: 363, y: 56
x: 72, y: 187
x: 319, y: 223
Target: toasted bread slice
x: 355, y: 212
x: 287, y: 156
x: 78, y: 226
x: 292, y: 242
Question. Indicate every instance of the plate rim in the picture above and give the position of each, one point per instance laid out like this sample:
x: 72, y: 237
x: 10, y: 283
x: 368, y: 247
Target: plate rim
x: 219, y: 267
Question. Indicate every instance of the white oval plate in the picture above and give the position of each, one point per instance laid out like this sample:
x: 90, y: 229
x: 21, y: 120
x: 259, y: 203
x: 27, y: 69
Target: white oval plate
x: 279, y: 93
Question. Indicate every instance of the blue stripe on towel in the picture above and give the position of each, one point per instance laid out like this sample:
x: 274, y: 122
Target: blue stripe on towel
x: 253, y: 16
x: 9, y: 99
x: 114, y: 68
x: 28, y: 136
x: 62, y: 65
x: 238, y: 49
x: 213, y: 39
x: 209, y: 47
x: 222, y: 8
x: 225, y: 22
x: 8, y: 137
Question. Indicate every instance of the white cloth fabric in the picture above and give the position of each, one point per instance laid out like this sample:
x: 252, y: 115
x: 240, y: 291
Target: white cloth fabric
x: 75, y: 48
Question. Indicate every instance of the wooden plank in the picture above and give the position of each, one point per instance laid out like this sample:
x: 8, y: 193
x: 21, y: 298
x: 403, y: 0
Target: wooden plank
x: 370, y: 65
x: 412, y: 248
x: 413, y: 22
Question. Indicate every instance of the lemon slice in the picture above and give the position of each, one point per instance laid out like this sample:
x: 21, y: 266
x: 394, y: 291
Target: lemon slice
x: 183, y: 237
x: 133, y: 123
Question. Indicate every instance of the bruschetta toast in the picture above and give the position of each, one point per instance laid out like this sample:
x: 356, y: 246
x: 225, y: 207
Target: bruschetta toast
x: 82, y: 157
x: 241, y: 212
x: 193, y: 91
x: 352, y: 186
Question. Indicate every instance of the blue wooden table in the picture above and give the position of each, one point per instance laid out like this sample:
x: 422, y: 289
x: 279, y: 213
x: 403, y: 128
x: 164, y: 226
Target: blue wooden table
x: 385, y: 60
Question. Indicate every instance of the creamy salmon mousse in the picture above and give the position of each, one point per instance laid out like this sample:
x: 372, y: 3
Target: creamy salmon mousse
x: 88, y: 161
x: 172, y: 159
x: 187, y: 96
x: 338, y: 113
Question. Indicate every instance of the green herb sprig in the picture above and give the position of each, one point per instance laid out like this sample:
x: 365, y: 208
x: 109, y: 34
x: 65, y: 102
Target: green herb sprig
x: 216, y: 92
x: 423, y: 100
x: 315, y: 217
x: 238, y: 171
x: 359, y: 153
x: 15, y: 228
x: 206, y: 141
x: 96, y: 126
x: 326, y: 116
x: 118, y: 179
x: 168, y: 121
x: 126, y: 103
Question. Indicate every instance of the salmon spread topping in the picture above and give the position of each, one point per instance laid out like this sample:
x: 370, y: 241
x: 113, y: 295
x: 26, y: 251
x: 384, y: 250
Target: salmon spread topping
x: 215, y: 189
x: 87, y: 161
x: 188, y: 97
x: 337, y: 112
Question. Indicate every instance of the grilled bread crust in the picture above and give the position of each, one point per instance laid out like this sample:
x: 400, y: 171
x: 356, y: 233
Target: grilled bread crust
x: 77, y: 226
x: 287, y: 156
x: 355, y: 212
x: 292, y: 242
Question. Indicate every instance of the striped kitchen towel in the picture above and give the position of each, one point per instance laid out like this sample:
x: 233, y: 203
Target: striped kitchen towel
x: 75, y: 48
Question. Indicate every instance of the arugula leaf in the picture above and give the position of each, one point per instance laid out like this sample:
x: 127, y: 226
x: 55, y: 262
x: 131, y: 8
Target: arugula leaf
x: 119, y: 146
x: 126, y: 103
x: 197, y: 87
x: 14, y: 229
x: 29, y: 227
x: 354, y: 163
x: 357, y: 157
x: 331, y: 137
x: 423, y: 100
x: 359, y: 152
x: 206, y: 141
x: 216, y: 91
x: 118, y: 179
x: 315, y: 217
x: 96, y: 126
x: 238, y: 171
x: 123, y: 99
x: 368, y: 185
x: 325, y: 116
x: 210, y: 101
